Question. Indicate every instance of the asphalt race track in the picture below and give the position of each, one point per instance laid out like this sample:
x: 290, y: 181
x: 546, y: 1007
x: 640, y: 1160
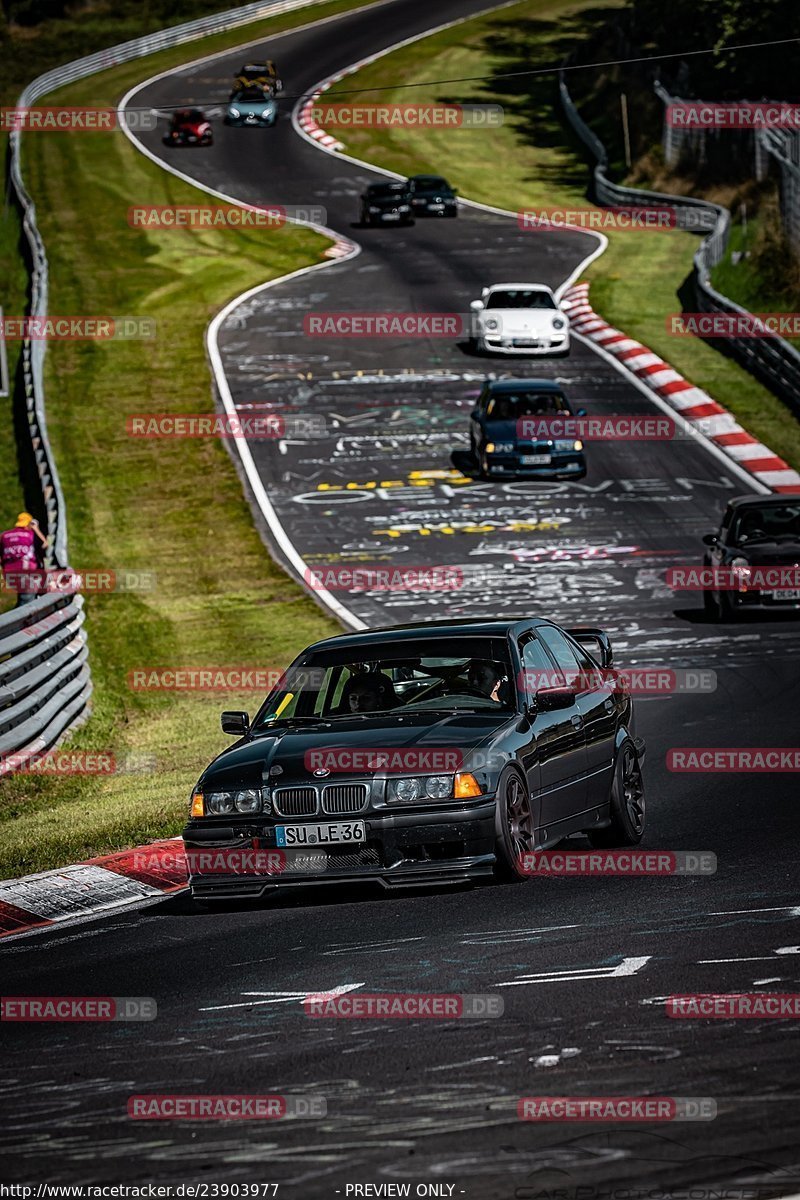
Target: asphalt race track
x: 583, y: 965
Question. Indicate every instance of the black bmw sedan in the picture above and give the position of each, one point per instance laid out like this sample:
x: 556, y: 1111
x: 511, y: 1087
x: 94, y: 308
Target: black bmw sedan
x: 386, y: 204
x: 755, y: 557
x: 434, y: 752
x: 432, y: 196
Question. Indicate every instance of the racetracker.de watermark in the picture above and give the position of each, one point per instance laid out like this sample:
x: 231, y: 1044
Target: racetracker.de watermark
x: 733, y: 325
x: 73, y: 1009
x: 387, y: 324
x: 618, y: 862
x: 636, y: 681
x: 722, y: 760
x: 736, y: 114
x: 393, y: 760
x: 68, y: 581
x: 404, y: 1005
x: 201, y: 217
x: 209, y: 679
x: 244, y: 427
x: 408, y: 116
x: 50, y: 118
x: 609, y: 427
x: 625, y: 217
x: 733, y: 579
x: 161, y: 1107
x: 616, y: 1108
x: 77, y: 329
x: 738, y: 1005
x: 77, y: 762
x: 384, y: 579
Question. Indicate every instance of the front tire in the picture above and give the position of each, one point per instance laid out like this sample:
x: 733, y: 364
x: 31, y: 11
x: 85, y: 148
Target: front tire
x: 627, y: 803
x: 514, y: 830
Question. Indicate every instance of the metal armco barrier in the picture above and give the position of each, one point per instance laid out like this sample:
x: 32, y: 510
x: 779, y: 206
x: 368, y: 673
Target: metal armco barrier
x: 770, y: 359
x: 44, y: 674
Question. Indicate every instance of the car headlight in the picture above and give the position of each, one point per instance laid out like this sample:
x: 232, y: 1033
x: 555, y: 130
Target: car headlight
x: 429, y: 787
x: 374, y: 208
x: 491, y: 323
x: 404, y: 208
x: 490, y: 447
x: 245, y: 800
x: 567, y: 444
x: 234, y: 112
x: 559, y: 323
x: 504, y: 448
x: 742, y: 570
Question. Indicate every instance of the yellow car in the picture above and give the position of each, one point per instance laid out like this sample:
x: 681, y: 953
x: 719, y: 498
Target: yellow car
x: 258, y: 74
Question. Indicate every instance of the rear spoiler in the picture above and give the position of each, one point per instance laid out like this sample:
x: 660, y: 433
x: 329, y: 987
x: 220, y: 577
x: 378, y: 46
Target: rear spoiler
x: 596, y: 640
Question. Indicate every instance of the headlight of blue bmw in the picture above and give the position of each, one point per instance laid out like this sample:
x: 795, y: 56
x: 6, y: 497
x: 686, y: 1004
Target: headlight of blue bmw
x: 411, y: 790
x: 566, y: 444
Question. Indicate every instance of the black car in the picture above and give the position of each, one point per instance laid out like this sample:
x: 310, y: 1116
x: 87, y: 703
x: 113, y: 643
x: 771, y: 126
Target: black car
x: 439, y: 751
x: 758, y: 550
x: 189, y: 127
x: 514, y: 431
x: 432, y: 196
x: 386, y: 204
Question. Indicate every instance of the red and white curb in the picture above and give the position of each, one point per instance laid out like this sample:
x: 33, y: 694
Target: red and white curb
x: 306, y: 121
x: 693, y: 404
x: 92, y: 887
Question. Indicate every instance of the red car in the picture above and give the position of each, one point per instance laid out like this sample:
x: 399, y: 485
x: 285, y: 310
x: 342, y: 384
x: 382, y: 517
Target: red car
x: 189, y: 127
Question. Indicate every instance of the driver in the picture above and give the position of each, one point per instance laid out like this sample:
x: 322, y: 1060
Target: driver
x: 486, y: 677
x: 368, y: 693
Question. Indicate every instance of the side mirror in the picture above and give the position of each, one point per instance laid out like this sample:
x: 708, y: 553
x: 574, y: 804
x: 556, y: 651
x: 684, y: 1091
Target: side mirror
x: 710, y: 539
x: 548, y: 699
x: 476, y: 305
x: 581, y: 412
x: 235, y: 722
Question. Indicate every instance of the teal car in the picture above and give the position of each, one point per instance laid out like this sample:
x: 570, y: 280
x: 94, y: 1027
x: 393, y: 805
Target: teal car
x: 252, y: 106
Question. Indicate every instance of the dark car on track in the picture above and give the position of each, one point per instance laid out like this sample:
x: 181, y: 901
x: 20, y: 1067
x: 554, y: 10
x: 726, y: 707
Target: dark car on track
x: 432, y: 196
x: 386, y: 204
x: 263, y: 75
x: 434, y: 752
x: 189, y: 127
x: 756, y: 553
x: 514, y: 431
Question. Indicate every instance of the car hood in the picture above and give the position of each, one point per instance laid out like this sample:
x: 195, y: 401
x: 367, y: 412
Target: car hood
x: 522, y: 321
x: 508, y: 431
x: 251, y: 761
x: 783, y: 552
x: 387, y: 201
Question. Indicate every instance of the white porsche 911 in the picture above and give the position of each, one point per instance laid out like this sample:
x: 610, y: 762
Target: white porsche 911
x: 519, y: 318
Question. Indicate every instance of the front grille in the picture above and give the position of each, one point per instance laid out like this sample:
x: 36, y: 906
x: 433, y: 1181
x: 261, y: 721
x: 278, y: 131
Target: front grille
x: 344, y: 798
x: 295, y: 802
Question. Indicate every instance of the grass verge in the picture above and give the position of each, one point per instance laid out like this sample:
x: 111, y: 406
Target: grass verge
x: 175, y: 509
x: 533, y: 160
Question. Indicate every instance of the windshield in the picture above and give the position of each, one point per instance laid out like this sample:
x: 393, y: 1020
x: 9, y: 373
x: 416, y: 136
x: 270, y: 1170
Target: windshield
x: 766, y: 522
x: 472, y: 674
x: 254, y: 95
x: 511, y: 406
x: 524, y: 298
x: 431, y: 183
x: 385, y: 191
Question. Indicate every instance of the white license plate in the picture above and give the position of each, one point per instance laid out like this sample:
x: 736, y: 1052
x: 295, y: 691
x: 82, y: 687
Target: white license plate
x: 785, y: 594
x: 524, y: 341
x: 320, y: 835
x: 437, y: 208
x: 391, y: 216
x: 535, y: 460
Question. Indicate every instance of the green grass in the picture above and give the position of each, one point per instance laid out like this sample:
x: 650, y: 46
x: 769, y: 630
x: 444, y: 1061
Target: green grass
x: 172, y: 508
x: 534, y: 160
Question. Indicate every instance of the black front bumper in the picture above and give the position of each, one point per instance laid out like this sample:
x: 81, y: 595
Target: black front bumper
x: 402, y: 849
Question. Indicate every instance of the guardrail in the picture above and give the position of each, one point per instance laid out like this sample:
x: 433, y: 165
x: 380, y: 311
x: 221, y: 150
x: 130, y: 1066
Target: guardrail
x: 784, y: 147
x: 770, y: 359
x: 44, y: 677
